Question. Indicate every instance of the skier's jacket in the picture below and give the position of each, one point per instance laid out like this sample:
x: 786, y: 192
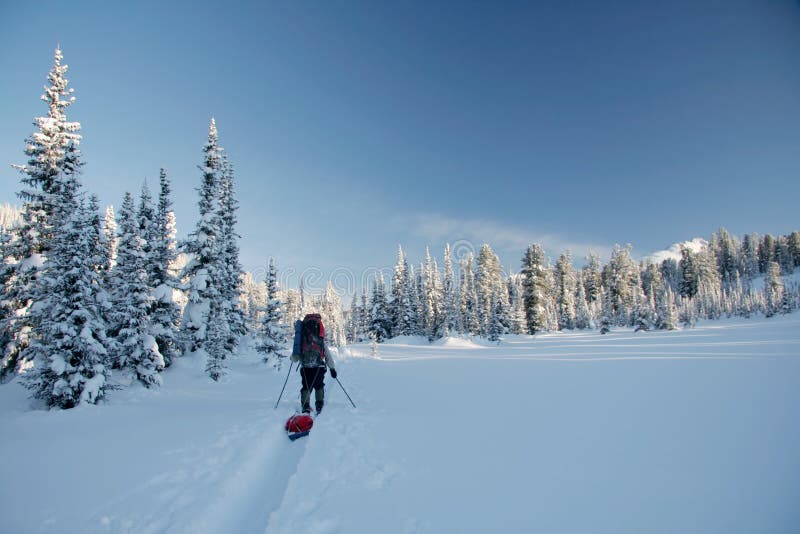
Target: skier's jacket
x: 310, y: 348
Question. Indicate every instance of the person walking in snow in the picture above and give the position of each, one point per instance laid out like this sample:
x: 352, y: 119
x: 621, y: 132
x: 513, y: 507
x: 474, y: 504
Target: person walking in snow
x: 315, y: 358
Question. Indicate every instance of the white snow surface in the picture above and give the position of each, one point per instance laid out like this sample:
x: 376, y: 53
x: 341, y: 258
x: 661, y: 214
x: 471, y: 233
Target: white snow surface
x: 691, y: 431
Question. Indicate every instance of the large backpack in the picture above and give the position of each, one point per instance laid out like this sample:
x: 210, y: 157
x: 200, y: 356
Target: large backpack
x: 312, y: 341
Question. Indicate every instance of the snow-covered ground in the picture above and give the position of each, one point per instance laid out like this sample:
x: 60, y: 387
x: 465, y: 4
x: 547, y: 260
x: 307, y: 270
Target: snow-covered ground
x: 694, y: 431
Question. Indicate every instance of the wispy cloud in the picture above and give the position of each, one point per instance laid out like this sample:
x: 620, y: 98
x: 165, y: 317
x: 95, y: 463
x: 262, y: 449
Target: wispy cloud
x: 502, y: 237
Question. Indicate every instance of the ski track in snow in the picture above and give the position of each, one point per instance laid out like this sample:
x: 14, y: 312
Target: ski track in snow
x: 340, y: 452
x: 245, y: 470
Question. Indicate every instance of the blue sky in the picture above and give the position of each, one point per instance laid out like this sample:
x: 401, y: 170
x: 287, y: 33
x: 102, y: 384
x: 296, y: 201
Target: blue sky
x: 357, y: 126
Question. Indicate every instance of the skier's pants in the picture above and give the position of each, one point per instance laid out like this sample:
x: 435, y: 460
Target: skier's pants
x: 313, y: 378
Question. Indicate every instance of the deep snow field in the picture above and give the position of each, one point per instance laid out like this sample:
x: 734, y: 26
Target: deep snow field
x: 692, y: 431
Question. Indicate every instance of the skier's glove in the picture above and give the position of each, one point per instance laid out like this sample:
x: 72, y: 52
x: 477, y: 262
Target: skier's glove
x: 333, y: 373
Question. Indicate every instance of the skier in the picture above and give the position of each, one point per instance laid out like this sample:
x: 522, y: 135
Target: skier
x: 314, y: 356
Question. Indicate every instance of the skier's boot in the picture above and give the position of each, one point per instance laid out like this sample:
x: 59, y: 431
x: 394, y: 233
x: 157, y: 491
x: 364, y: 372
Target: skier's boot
x: 319, y: 396
x: 306, y: 407
x: 305, y: 398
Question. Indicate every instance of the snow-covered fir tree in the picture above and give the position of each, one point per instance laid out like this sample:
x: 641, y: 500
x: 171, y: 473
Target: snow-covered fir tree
x: 215, y: 343
x: 687, y: 267
x: 667, y: 311
x: 69, y: 345
x: 400, y: 306
x: 330, y: 307
x: 490, y: 289
x: 449, y: 295
x: 621, y: 277
x: 230, y: 268
x: 201, y: 273
x: 380, y: 319
x: 773, y: 290
x: 516, y: 315
x: 353, y: 330
x: 470, y: 324
x: 607, y: 311
x: 535, y: 289
x: 583, y: 316
x: 53, y: 158
x: 136, y: 349
x: 432, y: 299
x: 565, y: 287
x: 748, y: 259
x: 592, y: 278
x: 273, y: 333
x: 496, y: 327
x: 164, y: 310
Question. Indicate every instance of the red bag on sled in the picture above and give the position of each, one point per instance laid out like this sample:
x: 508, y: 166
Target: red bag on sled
x: 299, y: 425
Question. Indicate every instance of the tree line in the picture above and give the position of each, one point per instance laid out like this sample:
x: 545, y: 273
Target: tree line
x: 474, y: 296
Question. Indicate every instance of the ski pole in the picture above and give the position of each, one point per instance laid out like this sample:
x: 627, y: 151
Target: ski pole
x: 345, y: 392
x: 284, y: 384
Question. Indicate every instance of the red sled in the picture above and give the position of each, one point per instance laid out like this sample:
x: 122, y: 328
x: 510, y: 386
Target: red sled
x: 299, y: 425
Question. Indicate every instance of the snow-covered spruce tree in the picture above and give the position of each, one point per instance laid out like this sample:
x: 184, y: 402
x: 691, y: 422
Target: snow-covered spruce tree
x: 136, y: 349
x: 592, y: 278
x: 353, y: 332
x: 164, y: 311
x: 534, y: 285
x: 419, y: 300
x: 583, y: 317
x: 667, y: 311
x: 551, y: 314
x: 749, y: 257
x: 215, y: 343
x: 652, y: 280
x: 469, y: 299
x: 101, y: 262
x: 766, y: 253
x: 254, y: 301
x: 496, y: 327
x: 516, y: 308
x: 607, y: 311
x: 230, y: 267
x: 273, y: 333
x: 200, y: 273
x: 400, y: 305
x: 689, y: 273
x: 380, y: 320
x: 145, y: 222
x: 622, y: 280
x: 783, y: 254
x: 432, y: 301
x: 565, y: 291
x: 414, y: 298
x: 773, y: 290
x: 69, y: 346
x: 489, y: 285
x: 365, y: 317
x: 53, y: 157
x: 449, y: 295
x: 330, y: 307
x: 726, y: 251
